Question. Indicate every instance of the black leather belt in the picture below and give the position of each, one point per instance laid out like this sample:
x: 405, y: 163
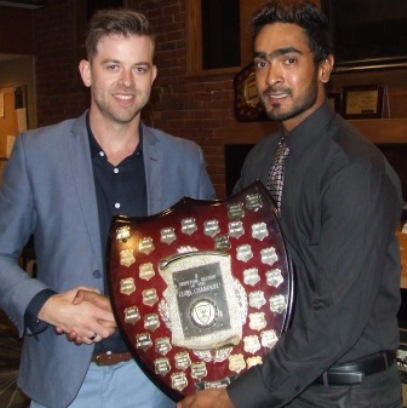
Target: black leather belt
x: 353, y: 373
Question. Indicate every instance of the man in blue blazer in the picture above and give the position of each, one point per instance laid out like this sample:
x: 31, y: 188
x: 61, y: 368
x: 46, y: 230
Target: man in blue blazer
x: 63, y: 184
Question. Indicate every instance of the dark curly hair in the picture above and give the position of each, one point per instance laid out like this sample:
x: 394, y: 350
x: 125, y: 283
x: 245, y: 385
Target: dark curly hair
x: 304, y: 13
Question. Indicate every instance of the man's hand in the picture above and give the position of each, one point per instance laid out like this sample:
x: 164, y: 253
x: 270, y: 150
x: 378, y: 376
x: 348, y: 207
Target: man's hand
x: 211, y: 398
x: 98, y: 300
x: 83, y: 314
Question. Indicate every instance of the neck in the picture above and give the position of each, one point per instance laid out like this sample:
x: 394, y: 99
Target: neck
x: 118, y: 140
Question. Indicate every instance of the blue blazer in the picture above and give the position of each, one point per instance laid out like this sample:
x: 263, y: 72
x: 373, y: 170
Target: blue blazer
x: 48, y: 190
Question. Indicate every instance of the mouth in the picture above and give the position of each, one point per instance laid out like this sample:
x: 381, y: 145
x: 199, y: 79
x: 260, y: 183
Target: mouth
x: 124, y: 98
x: 273, y: 97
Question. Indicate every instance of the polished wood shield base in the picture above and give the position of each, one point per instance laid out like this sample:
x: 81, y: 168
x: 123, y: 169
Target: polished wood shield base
x: 203, y: 290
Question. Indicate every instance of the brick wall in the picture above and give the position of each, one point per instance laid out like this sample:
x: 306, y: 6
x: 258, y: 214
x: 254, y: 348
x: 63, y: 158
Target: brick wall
x: 60, y: 93
x: 189, y: 107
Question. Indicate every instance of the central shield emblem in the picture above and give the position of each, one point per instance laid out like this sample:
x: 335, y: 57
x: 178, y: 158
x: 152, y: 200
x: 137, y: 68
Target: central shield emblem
x: 201, y: 291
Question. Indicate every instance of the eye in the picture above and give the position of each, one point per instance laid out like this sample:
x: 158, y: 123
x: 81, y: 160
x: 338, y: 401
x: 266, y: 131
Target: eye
x: 290, y: 60
x: 259, y: 64
x: 141, y: 69
x: 112, y: 67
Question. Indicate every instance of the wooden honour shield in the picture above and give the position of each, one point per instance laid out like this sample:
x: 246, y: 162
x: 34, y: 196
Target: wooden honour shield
x: 203, y: 290
x: 248, y: 107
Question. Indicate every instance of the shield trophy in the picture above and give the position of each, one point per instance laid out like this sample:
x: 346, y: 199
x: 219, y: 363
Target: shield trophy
x: 201, y: 291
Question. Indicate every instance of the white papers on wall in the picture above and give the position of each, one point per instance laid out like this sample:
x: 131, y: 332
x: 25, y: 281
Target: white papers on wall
x: 10, y: 144
x: 21, y: 119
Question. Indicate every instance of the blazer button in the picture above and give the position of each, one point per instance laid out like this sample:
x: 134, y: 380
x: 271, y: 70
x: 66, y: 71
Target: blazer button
x: 97, y: 274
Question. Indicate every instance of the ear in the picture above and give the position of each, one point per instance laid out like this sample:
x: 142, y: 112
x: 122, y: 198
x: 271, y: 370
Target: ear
x: 325, y: 69
x: 154, y: 73
x: 85, y: 71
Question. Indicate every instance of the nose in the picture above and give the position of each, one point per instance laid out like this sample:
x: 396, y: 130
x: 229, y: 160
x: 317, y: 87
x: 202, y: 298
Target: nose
x: 126, y: 78
x: 273, y: 75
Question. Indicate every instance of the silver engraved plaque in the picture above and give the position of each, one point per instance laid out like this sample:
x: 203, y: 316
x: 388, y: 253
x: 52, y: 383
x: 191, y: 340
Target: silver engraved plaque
x: 274, y: 278
x: 151, y: 321
x: 182, y: 361
x: 143, y: 341
x: 127, y: 286
x: 251, y: 344
x: 260, y: 231
x: 203, y: 307
x: 257, y: 321
x: 188, y: 226
x: 278, y: 304
x: 237, y: 363
x: 150, y: 297
x: 203, y: 290
x: 236, y: 229
x: 146, y: 271
x: 257, y: 299
x: 235, y: 211
x: 123, y: 233
x: 211, y: 228
x: 254, y: 201
x: 163, y: 345
x: 198, y: 371
x: 168, y: 235
x: 244, y: 253
x: 131, y: 315
x: 146, y: 245
x: 205, y: 385
x: 269, y: 256
x: 251, y: 276
x: 127, y: 257
x: 222, y: 243
x: 162, y: 366
x: 179, y: 381
x: 268, y: 338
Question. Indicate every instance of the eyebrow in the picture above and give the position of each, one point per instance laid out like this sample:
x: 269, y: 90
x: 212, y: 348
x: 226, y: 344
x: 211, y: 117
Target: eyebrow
x: 116, y: 61
x: 276, y: 53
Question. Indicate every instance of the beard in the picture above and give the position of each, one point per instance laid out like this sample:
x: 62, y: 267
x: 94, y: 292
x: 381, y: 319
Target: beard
x: 306, y: 100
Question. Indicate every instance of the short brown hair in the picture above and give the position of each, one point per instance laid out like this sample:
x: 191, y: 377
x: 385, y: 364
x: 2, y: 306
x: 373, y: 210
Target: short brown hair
x: 115, y: 21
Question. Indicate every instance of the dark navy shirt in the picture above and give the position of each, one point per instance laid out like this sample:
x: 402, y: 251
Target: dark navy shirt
x: 120, y: 189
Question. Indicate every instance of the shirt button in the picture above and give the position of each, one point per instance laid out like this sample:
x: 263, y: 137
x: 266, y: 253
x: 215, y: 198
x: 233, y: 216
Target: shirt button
x: 97, y: 274
x: 116, y: 170
x: 101, y: 153
x: 117, y: 205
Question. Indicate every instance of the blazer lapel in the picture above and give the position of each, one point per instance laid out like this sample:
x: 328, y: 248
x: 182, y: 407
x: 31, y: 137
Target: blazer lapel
x: 153, y: 162
x: 79, y: 151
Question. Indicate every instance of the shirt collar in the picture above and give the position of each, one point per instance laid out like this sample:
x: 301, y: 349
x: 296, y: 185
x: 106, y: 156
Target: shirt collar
x: 306, y: 133
x: 94, y: 145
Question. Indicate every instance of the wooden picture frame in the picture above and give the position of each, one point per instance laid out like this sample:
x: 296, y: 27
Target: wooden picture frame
x: 361, y: 102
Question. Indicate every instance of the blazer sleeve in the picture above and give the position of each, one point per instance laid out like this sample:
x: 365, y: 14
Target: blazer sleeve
x: 17, y: 220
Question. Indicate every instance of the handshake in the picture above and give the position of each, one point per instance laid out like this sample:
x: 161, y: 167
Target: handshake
x: 82, y: 314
